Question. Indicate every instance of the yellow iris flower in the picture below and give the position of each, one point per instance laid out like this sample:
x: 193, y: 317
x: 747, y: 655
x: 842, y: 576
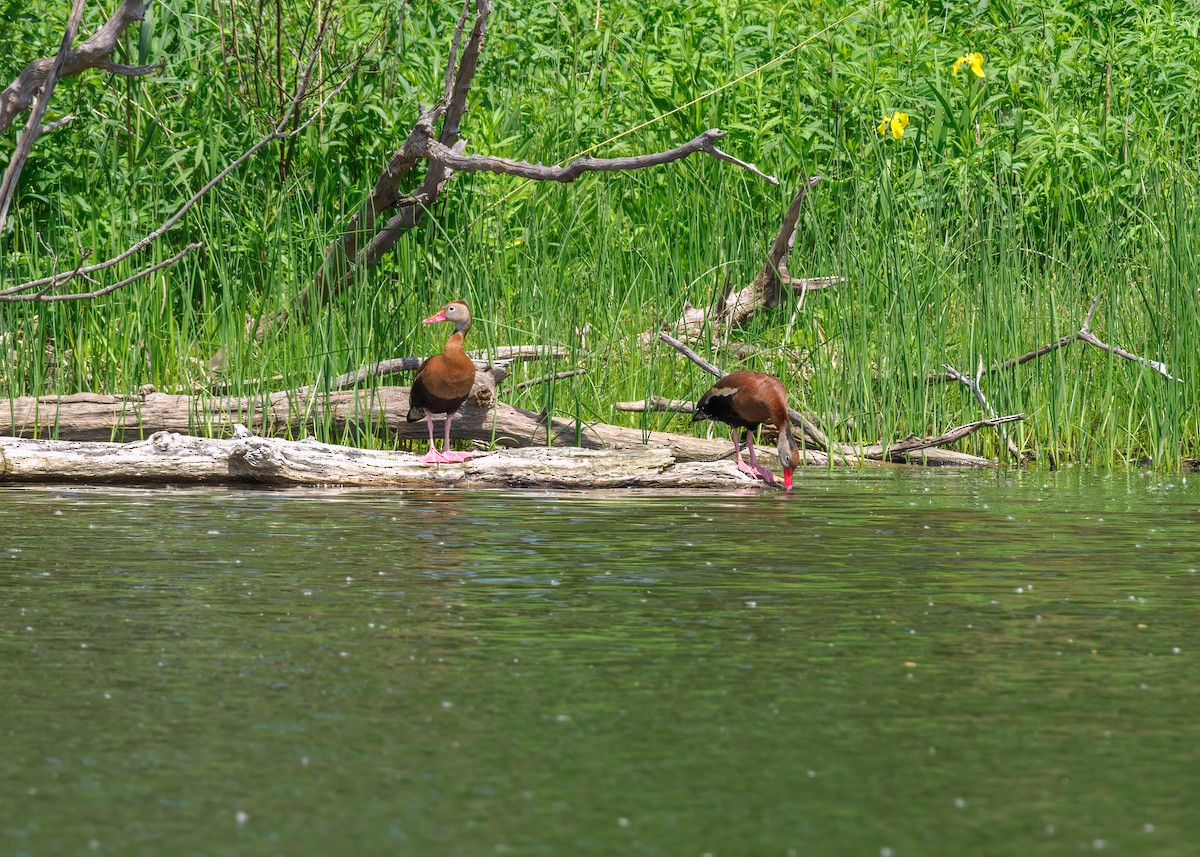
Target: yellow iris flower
x: 974, y: 60
x: 897, y: 121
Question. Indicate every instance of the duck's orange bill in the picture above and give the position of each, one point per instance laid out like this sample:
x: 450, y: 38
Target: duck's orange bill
x: 441, y: 316
x: 787, y: 479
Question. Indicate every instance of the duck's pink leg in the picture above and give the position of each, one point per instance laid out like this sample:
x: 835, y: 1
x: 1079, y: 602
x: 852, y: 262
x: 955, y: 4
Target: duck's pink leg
x: 433, y: 456
x: 446, y: 453
x: 766, y: 475
x: 737, y: 450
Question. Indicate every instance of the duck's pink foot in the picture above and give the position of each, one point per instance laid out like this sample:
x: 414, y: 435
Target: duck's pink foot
x: 756, y: 471
x: 458, y: 456
x: 434, y: 457
x: 764, y: 474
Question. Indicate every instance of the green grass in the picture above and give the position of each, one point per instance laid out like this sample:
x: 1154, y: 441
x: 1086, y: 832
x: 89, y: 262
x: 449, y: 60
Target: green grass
x: 983, y: 233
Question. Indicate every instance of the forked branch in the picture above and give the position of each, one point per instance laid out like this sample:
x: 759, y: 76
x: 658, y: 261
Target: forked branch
x: 43, y: 287
x: 93, y: 53
x: 1084, y: 334
x: 705, y: 143
x: 368, y: 237
x: 8, y: 184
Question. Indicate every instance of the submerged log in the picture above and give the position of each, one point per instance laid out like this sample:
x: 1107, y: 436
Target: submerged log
x: 170, y: 458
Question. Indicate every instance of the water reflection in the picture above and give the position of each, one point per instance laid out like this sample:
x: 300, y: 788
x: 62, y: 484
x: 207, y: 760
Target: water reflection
x: 944, y: 663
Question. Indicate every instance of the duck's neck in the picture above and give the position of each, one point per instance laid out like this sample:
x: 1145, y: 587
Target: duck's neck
x: 454, y: 345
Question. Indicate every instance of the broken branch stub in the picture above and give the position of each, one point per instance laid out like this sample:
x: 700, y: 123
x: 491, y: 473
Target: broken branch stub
x: 731, y: 307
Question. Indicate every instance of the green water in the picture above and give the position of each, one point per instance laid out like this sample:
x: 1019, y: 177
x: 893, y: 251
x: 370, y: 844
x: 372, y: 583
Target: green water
x: 944, y: 664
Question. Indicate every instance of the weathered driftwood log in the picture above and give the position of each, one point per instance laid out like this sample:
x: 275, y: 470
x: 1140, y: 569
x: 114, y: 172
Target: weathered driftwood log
x: 94, y: 417
x: 166, y: 457
x: 384, y: 410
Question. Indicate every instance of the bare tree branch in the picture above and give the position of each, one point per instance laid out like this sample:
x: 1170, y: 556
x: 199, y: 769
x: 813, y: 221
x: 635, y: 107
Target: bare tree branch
x: 705, y: 143
x: 277, y: 133
x: 900, y: 451
x: 658, y: 403
x: 553, y: 376
x: 93, y: 53
x: 764, y: 291
x: 1084, y: 334
x: 973, y: 385
x: 1161, y: 368
x: 8, y: 185
x: 56, y: 124
x: 43, y: 295
x: 734, y: 308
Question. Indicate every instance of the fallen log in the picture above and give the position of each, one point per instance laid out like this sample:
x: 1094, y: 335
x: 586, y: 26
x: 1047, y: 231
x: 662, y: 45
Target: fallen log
x: 382, y: 410
x: 170, y: 458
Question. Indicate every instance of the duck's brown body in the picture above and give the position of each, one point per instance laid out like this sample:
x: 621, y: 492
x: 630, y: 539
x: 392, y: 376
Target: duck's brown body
x: 745, y: 400
x: 444, y: 381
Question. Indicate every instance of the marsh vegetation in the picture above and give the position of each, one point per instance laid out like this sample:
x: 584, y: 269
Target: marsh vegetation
x: 981, y: 228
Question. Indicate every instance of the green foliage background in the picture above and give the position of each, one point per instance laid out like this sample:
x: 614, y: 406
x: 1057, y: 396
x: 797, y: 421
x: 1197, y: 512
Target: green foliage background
x: 1069, y: 171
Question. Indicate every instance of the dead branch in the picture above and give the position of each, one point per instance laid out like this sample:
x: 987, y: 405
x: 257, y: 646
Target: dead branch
x: 1158, y: 366
x: 279, y: 132
x: 902, y: 450
x: 364, y: 242
x: 93, y: 53
x: 1084, y: 334
x: 43, y: 296
x: 435, y: 151
x: 690, y: 354
x: 764, y: 292
x: 736, y: 307
x: 553, y: 376
x: 973, y: 386
x: 658, y: 403
x: 33, y: 127
x: 57, y: 123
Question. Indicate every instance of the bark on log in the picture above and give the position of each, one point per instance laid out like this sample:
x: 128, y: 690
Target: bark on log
x: 169, y: 458
x: 94, y: 417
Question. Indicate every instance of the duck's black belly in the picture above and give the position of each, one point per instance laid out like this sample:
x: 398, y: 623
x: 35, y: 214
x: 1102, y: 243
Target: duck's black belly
x: 720, y: 407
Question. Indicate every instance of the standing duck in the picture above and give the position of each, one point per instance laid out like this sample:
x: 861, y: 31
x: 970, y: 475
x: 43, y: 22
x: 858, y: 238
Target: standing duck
x: 745, y: 400
x: 443, y: 382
